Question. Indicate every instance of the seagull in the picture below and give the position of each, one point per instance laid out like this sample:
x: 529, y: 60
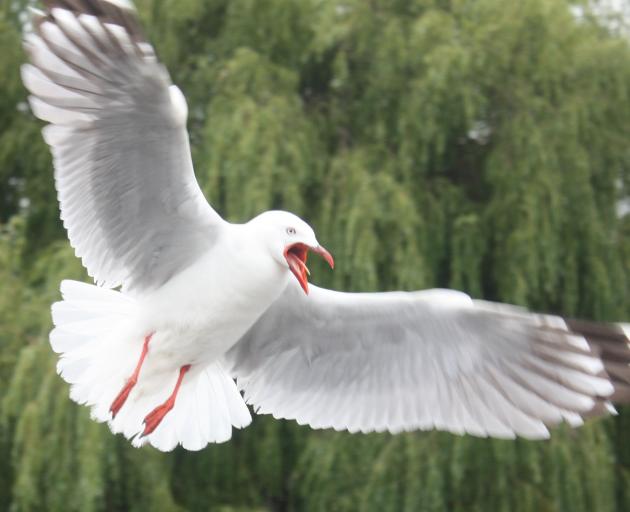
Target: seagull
x: 192, y: 318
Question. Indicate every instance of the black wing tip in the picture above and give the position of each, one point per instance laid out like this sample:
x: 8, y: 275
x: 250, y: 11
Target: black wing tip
x: 598, y: 330
x: 93, y: 7
x: 107, y: 11
x: 611, y: 342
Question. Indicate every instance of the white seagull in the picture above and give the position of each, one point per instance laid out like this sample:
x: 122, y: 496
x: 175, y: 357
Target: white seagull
x: 203, y: 302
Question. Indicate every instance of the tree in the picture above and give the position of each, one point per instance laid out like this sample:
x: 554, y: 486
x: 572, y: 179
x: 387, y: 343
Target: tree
x: 479, y: 145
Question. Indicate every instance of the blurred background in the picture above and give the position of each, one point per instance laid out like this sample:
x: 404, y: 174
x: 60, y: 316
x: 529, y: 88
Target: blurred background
x: 482, y: 145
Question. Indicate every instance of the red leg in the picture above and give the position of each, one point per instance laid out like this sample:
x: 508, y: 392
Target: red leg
x: 155, y: 417
x: 121, y: 398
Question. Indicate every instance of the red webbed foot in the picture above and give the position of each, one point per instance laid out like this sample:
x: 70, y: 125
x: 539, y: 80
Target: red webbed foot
x: 121, y: 398
x: 155, y: 417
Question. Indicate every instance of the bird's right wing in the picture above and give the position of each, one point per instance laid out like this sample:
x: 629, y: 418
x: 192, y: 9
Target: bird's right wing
x: 123, y: 171
x: 430, y: 359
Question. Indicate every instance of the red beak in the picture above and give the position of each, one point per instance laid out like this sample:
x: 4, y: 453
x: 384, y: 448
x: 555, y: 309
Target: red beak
x: 296, y: 256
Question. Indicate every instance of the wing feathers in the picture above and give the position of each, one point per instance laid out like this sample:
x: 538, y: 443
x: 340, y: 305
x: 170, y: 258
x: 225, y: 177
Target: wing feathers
x: 96, y: 80
x: 436, y: 360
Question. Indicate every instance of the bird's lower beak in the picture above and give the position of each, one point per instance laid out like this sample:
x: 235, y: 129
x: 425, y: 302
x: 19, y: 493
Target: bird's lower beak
x: 296, y: 256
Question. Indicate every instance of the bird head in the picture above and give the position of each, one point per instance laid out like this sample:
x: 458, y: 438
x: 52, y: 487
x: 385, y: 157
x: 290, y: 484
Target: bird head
x: 290, y: 240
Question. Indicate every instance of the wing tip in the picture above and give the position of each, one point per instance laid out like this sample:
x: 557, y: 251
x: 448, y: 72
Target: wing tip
x: 118, y: 12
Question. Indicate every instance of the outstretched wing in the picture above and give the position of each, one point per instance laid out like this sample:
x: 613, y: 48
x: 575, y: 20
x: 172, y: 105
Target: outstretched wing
x: 129, y: 199
x: 430, y: 359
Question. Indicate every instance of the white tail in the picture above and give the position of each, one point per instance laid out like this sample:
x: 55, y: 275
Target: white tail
x: 99, y: 342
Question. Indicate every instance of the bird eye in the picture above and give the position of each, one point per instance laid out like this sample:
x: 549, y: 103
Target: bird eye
x: 291, y: 231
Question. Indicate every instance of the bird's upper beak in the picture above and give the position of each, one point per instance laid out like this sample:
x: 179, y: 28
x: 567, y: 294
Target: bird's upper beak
x: 296, y: 256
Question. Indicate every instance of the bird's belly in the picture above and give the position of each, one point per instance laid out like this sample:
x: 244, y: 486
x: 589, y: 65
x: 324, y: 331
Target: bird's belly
x: 171, y: 349
x: 182, y: 342
x: 200, y: 315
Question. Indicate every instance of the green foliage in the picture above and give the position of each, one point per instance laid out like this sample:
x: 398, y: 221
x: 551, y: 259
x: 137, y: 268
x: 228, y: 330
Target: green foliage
x: 480, y: 145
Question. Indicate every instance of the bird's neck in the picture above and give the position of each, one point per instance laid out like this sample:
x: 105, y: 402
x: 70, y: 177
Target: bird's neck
x: 249, y: 260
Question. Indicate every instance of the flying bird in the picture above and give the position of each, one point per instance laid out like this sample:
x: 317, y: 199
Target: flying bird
x: 191, y: 317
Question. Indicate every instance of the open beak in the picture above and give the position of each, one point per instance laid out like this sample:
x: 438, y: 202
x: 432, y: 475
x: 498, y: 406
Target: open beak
x: 296, y: 256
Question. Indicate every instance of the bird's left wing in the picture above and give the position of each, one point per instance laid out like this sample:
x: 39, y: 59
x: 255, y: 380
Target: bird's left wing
x: 123, y: 171
x: 430, y: 359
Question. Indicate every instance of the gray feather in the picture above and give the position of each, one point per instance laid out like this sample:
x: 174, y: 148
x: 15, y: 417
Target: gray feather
x: 128, y: 195
x: 431, y: 359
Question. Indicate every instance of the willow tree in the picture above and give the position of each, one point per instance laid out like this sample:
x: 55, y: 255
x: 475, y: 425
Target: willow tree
x: 480, y: 145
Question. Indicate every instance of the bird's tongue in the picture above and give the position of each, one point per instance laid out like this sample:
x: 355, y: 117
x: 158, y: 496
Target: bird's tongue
x: 296, y: 257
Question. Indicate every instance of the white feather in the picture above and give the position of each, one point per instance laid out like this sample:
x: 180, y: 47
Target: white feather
x: 99, y: 337
x: 57, y: 115
x: 44, y: 58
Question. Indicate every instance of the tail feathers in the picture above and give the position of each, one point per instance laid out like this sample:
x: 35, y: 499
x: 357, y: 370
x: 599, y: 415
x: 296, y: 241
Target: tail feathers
x: 86, y: 317
x: 99, y: 346
x: 208, y: 405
